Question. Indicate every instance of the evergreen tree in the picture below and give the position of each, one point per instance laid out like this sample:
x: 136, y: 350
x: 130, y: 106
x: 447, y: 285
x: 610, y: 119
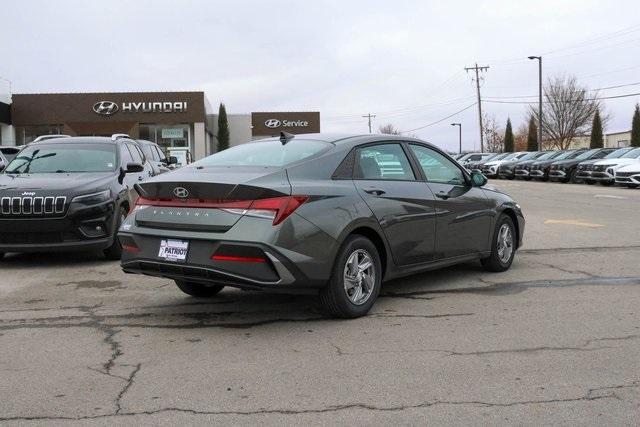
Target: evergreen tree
x: 508, y: 138
x: 223, y: 128
x: 532, y: 136
x: 597, y: 140
x: 635, y: 128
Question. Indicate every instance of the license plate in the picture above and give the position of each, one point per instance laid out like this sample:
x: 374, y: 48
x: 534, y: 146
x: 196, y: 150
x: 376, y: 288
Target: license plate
x: 174, y: 250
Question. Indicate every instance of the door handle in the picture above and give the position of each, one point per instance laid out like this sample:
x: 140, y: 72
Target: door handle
x: 140, y: 178
x: 442, y: 195
x: 374, y: 191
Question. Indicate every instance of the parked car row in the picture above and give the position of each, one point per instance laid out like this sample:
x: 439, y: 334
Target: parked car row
x: 606, y: 166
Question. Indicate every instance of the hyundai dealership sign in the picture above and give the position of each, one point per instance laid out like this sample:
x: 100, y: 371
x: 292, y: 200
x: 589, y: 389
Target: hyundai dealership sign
x: 108, y: 108
x: 267, y: 124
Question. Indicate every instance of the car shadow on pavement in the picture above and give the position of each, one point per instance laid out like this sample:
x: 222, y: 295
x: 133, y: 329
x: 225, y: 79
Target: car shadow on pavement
x: 52, y: 260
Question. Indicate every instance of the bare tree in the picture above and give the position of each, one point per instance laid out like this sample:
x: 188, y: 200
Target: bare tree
x: 388, y: 129
x: 567, y: 111
x: 493, y: 133
x: 520, y: 137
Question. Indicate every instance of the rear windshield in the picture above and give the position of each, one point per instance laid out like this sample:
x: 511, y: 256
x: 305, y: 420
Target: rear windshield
x: 63, y: 158
x: 270, y: 153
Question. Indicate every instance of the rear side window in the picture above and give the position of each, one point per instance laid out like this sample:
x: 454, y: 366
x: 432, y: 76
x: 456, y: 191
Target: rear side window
x: 271, y: 153
x: 384, y: 161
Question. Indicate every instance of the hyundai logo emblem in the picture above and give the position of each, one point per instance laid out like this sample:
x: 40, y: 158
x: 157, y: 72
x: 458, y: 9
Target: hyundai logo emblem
x: 181, y: 192
x: 272, y: 123
x: 106, y: 108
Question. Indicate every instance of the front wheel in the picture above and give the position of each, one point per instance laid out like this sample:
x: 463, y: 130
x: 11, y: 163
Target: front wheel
x: 503, y: 246
x: 198, y: 290
x: 355, y: 280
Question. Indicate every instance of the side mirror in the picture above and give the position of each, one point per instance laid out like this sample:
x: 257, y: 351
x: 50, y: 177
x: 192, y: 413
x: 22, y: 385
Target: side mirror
x: 134, y: 168
x: 172, y: 160
x: 478, y: 179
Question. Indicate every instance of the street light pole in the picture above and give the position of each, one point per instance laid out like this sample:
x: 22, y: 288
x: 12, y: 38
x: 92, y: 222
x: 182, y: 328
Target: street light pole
x: 539, y: 58
x: 459, y: 135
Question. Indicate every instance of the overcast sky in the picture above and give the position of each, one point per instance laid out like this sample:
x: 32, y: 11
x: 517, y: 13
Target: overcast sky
x: 400, y: 60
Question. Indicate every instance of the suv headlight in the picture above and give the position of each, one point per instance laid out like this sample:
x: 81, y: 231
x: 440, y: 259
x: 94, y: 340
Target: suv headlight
x: 93, y: 198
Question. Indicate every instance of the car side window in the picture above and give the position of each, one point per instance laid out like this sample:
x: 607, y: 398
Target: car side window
x: 383, y: 161
x: 436, y: 167
x: 159, y: 154
x: 125, y: 155
x: 136, y: 154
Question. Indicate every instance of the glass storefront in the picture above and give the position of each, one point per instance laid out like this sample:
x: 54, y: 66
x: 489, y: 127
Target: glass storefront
x: 26, y: 134
x: 167, y: 136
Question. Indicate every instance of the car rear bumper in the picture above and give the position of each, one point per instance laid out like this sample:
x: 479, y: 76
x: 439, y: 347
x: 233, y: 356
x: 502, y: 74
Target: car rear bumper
x: 293, y: 256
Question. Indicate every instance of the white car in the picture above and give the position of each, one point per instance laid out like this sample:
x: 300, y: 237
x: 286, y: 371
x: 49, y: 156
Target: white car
x: 604, y: 170
x: 628, y: 175
x: 473, y: 158
x: 490, y: 169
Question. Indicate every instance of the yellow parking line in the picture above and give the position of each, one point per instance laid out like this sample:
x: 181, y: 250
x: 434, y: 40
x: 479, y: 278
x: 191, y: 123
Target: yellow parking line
x: 576, y: 222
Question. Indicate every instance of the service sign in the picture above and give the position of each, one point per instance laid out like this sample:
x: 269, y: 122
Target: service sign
x: 269, y: 124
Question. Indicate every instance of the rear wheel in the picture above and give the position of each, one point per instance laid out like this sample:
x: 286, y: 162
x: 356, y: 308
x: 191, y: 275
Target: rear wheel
x: 355, y: 280
x: 199, y: 290
x: 503, y: 246
x: 114, y: 252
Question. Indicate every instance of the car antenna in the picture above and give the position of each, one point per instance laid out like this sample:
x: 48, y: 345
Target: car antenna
x: 286, y: 137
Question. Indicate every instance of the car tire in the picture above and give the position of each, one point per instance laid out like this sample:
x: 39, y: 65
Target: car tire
x: 607, y: 183
x: 335, y: 298
x: 114, y: 252
x: 628, y: 186
x: 199, y: 290
x: 504, y: 233
x: 572, y: 177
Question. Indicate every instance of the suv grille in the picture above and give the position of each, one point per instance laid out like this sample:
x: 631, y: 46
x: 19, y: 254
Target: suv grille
x: 49, y: 205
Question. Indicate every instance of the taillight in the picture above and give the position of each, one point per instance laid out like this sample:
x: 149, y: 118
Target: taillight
x: 276, y: 209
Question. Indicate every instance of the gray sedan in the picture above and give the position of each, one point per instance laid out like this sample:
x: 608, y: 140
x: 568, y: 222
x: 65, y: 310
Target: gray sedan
x: 324, y: 214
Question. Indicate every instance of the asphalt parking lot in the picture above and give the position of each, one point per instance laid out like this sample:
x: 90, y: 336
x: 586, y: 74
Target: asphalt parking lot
x: 554, y: 340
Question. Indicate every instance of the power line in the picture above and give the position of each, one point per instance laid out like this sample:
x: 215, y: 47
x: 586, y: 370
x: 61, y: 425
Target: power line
x: 440, y: 120
x: 588, y: 90
x: 571, y: 100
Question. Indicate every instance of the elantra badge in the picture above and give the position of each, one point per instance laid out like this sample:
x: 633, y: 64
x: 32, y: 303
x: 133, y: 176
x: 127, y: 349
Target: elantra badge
x: 181, y: 192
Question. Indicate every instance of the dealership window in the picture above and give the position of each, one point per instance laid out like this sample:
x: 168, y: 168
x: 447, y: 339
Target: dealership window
x: 177, y: 135
x: 26, y: 134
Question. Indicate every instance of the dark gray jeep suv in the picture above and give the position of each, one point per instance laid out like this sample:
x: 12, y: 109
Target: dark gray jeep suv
x: 334, y: 215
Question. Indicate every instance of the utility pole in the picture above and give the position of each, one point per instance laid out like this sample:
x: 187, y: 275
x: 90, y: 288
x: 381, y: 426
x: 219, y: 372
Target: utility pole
x: 370, y: 116
x: 539, y: 58
x: 477, y: 70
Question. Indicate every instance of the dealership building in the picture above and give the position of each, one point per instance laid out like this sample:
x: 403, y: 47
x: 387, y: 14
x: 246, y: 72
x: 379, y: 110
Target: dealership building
x: 178, y: 121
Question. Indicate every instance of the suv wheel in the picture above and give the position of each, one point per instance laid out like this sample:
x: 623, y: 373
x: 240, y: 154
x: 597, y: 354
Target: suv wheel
x: 503, y: 246
x: 199, y: 290
x: 355, y: 281
x: 114, y: 252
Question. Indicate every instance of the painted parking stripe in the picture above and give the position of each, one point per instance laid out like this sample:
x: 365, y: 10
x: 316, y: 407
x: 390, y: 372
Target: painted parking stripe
x: 575, y: 222
x: 608, y: 196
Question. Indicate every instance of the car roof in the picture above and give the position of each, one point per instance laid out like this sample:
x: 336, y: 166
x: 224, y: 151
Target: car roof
x: 351, y: 140
x: 83, y: 140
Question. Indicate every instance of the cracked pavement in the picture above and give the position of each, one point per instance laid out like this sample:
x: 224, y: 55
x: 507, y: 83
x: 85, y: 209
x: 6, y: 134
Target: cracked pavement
x: 555, y: 340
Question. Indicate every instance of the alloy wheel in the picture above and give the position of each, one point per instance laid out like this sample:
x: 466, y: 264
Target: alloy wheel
x: 505, y: 243
x: 359, y: 276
